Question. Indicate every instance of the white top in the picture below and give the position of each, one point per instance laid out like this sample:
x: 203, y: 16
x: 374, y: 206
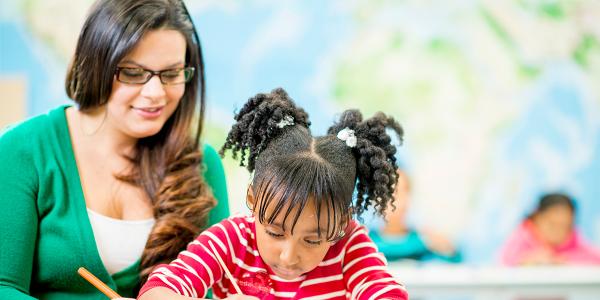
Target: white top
x: 120, y: 242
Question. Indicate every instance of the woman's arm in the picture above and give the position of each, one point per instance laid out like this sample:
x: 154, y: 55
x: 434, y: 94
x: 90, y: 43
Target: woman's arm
x: 214, y: 175
x: 18, y: 217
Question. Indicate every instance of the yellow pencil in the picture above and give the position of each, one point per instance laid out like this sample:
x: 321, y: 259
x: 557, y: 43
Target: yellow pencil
x: 97, y: 283
x: 224, y: 266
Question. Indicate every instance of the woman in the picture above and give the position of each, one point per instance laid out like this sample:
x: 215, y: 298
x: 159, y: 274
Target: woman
x: 112, y: 184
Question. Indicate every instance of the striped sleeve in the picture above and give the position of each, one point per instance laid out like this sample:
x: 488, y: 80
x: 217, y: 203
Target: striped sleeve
x: 196, y: 269
x: 365, y: 270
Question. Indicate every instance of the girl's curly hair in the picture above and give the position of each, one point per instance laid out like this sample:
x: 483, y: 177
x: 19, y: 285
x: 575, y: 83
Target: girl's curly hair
x: 292, y: 167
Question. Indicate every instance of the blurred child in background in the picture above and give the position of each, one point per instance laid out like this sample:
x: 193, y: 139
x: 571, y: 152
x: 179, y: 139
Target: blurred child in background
x: 397, y: 240
x: 548, y: 236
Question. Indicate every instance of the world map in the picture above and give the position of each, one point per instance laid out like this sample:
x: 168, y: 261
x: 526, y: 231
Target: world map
x: 499, y: 100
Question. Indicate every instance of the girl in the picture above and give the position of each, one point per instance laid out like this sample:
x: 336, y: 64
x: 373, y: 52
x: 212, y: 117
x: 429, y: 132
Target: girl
x: 548, y: 236
x: 300, y: 240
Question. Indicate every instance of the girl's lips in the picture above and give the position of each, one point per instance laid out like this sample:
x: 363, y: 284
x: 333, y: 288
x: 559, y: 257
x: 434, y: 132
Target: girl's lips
x: 285, y: 273
x: 149, y: 112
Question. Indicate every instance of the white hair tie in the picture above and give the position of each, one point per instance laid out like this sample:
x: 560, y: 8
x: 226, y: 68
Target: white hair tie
x: 348, y: 136
x: 286, y: 121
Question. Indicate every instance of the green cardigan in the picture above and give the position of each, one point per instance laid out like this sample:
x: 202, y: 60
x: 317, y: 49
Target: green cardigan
x: 45, y: 233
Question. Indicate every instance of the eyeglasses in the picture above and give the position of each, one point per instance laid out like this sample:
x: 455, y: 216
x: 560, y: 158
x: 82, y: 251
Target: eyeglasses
x: 167, y: 77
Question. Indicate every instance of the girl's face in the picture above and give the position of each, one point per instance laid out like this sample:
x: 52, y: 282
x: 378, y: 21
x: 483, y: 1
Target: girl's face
x: 291, y: 255
x: 554, y: 225
x: 141, y: 110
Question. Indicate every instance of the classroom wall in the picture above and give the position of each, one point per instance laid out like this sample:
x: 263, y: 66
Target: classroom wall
x: 13, y: 89
x: 499, y: 99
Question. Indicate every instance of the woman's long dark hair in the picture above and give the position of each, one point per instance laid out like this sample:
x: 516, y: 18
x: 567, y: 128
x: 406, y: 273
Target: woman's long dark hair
x: 166, y: 165
x: 291, y: 167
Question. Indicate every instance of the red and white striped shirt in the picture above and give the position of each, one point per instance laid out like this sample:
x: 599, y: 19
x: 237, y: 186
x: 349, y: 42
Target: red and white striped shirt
x: 351, y: 269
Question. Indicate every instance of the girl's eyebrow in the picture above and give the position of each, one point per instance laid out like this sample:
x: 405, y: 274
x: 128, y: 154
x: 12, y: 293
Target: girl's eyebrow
x: 315, y: 230
x: 275, y: 224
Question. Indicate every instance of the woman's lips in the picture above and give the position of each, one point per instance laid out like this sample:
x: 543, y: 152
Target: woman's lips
x: 149, y: 112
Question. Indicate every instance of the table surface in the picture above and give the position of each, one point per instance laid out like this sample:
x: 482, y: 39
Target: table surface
x: 462, y: 282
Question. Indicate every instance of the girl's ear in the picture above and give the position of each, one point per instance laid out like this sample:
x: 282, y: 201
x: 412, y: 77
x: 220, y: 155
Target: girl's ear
x: 250, y: 200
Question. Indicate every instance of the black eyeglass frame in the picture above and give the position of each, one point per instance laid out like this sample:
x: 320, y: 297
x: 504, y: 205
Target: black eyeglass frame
x: 187, y: 75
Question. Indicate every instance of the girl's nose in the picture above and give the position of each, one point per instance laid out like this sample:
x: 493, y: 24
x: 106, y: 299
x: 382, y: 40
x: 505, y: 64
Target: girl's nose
x: 289, y: 255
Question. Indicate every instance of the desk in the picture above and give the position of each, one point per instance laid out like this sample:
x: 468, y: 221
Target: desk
x: 459, y: 282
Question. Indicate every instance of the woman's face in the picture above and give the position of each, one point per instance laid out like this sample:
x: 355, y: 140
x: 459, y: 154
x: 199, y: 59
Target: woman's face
x: 554, y: 225
x: 289, y: 254
x: 141, y: 110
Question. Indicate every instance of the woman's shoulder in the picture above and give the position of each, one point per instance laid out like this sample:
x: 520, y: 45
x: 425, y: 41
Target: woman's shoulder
x: 208, y: 148
x: 29, y: 130
x: 210, y: 155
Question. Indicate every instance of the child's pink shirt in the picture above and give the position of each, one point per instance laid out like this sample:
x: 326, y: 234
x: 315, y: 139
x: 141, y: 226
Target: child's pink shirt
x: 524, y: 241
x: 351, y: 269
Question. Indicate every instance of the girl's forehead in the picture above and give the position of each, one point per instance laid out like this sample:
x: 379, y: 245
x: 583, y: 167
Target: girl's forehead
x: 307, y: 220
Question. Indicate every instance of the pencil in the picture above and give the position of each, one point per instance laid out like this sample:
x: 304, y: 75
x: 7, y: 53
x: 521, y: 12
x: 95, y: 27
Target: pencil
x: 237, y: 288
x: 97, y: 283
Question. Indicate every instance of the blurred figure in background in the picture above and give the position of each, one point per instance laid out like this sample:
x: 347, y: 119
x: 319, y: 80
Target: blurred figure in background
x: 548, y: 236
x: 397, y: 240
